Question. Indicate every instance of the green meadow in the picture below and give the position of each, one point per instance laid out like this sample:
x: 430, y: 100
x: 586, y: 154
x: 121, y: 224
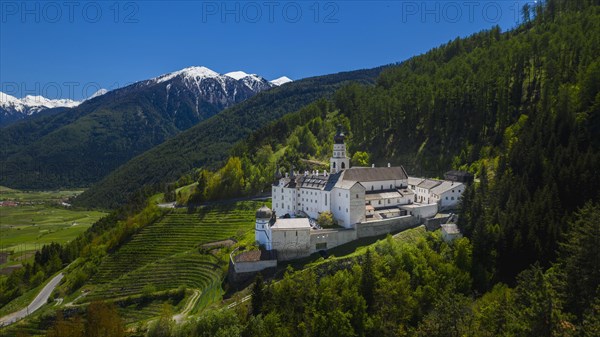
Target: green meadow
x: 38, y: 220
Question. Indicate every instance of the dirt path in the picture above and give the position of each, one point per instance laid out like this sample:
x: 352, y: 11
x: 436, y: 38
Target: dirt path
x: 189, y: 306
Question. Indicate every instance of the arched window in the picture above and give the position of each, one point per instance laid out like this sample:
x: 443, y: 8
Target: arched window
x: 343, y: 166
x: 333, y: 164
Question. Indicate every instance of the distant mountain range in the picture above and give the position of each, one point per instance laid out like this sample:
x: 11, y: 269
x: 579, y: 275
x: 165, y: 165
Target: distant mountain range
x: 80, y: 142
x: 13, y: 109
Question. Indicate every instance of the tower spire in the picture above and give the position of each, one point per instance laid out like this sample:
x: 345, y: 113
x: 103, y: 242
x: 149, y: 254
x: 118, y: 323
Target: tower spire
x: 339, y: 161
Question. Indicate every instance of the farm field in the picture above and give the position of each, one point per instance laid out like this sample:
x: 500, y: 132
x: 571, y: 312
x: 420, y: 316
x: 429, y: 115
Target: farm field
x: 36, y: 196
x: 39, y: 220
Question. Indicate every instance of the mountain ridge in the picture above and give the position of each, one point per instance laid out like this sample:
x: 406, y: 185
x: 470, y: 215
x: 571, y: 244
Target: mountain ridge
x: 76, y: 147
x: 209, y: 142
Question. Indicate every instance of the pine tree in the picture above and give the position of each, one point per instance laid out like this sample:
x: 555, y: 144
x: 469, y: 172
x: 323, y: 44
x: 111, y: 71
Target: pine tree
x: 257, y: 295
x: 367, y: 284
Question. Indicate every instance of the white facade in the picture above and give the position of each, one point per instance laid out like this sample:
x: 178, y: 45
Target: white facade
x: 262, y: 230
x: 344, y: 191
x: 448, y: 194
x: 445, y: 193
x: 339, y: 161
x: 291, y: 237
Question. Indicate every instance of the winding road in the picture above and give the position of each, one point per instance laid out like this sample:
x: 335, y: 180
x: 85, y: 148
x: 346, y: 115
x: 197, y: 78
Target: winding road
x: 37, y: 302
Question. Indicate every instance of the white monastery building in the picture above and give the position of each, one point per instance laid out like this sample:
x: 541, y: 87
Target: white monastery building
x: 358, y: 197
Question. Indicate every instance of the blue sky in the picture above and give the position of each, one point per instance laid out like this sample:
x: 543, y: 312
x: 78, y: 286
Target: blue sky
x: 71, y: 48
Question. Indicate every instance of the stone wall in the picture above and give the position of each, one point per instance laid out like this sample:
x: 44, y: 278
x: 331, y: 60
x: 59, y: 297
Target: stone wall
x: 435, y: 223
x: 330, y: 238
x: 386, y: 226
x: 240, y: 273
x: 253, y: 266
x: 421, y: 211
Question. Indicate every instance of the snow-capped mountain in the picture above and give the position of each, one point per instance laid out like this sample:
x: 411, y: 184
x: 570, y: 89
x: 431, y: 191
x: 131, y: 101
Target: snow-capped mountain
x: 96, y: 94
x: 204, y: 90
x: 192, y: 94
x: 280, y: 81
x: 13, y: 109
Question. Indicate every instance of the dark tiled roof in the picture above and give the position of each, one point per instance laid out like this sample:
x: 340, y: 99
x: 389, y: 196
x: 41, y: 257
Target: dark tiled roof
x: 333, y: 179
x: 313, y: 181
x: 361, y: 174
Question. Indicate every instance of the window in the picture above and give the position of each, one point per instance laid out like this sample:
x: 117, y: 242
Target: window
x: 382, y: 187
x: 339, y: 208
x: 325, y: 199
x: 388, y: 201
x: 276, y: 205
x: 372, y: 187
x: 296, y: 233
x: 391, y: 186
x: 346, y: 210
x: 333, y: 164
x: 452, y: 198
x: 321, y: 246
x: 452, y: 191
x: 339, y: 194
x: 446, y: 198
x: 379, y: 202
x: 282, y: 190
x: 343, y: 165
x: 357, y: 196
x: 284, y: 234
x: 458, y: 191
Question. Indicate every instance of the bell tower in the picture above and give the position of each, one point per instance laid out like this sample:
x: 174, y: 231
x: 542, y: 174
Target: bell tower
x: 339, y: 161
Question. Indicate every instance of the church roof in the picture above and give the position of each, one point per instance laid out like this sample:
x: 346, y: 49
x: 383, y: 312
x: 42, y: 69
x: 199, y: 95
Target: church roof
x: 415, y: 181
x: 313, y: 181
x: 339, y: 136
x: 362, y: 174
x: 332, y: 181
x: 345, y: 184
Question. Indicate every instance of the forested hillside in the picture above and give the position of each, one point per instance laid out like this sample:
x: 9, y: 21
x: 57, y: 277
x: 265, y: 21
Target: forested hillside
x: 462, y: 105
x: 519, y: 109
x: 79, y: 146
x: 208, y: 142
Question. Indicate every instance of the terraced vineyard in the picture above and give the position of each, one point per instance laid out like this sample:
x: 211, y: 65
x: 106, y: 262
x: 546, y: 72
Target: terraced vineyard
x: 191, y: 270
x: 164, y: 255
